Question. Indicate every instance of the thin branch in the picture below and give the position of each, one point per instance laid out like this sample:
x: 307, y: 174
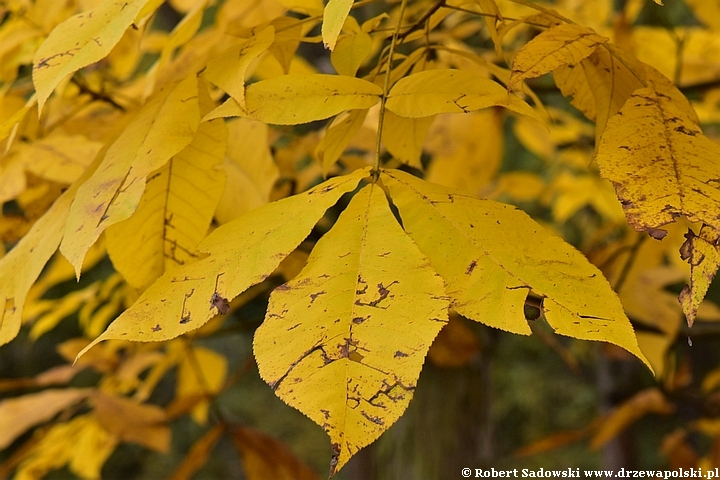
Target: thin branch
x: 202, y: 381
x: 386, y: 88
x: 544, y: 10
x: 629, y: 263
x: 98, y: 96
x: 420, y: 23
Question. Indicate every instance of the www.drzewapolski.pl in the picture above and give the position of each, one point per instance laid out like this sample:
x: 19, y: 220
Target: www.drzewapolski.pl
x: 577, y: 473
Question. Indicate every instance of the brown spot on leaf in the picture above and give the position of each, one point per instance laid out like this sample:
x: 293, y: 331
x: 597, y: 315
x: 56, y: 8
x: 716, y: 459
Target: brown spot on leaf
x: 471, y: 267
x: 313, y: 296
x: 400, y: 354
x: 156, y: 328
x: 373, y: 419
x: 656, y: 233
x: 221, y: 303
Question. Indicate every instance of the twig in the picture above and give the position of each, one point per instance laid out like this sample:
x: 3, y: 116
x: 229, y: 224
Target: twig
x: 386, y: 88
x: 99, y: 96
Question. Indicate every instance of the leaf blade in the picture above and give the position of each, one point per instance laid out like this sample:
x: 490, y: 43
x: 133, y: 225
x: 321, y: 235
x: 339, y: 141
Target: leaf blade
x: 354, y: 350
x: 492, y: 255
x: 241, y: 254
x: 79, y: 41
x: 163, y: 128
x: 449, y: 91
x: 564, y: 44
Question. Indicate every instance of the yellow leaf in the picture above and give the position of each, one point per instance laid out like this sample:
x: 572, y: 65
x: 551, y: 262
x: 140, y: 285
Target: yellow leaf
x: 293, y: 99
x: 242, y: 253
x: 91, y: 449
x: 165, y: 126
x: 181, y: 34
x: 404, y: 137
x: 338, y: 135
x: 449, y: 91
x: 655, y: 348
x: 361, y: 315
x: 11, y: 121
x: 58, y: 309
x: 492, y: 255
x: 250, y: 169
x: 175, y: 210
x: 701, y: 252
x: 462, y: 158
x: 650, y: 400
x: 17, y: 415
x: 81, y: 443
x: 289, y: 32
x: 661, y: 164
x: 58, y: 157
x: 201, y: 372
x: 134, y: 422
x: 603, y: 84
x: 493, y: 18
x: 228, y: 70
x: 79, y: 41
x: 264, y: 458
x: 564, y: 44
x: 350, y: 52
x: 334, y: 15
x: 706, y: 12
x: 571, y: 81
x: 23, y: 264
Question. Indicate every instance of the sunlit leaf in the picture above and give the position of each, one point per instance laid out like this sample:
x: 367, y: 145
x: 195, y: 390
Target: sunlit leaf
x: 228, y: 70
x: 661, y: 164
x: 166, y: 125
x: 333, y: 19
x: 242, y: 253
x: 79, y: 41
x: 449, y: 91
x: 492, y: 255
x: 361, y: 315
x: 164, y: 232
x: 564, y: 44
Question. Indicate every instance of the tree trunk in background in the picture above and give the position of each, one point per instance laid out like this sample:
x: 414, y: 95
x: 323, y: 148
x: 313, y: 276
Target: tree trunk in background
x: 446, y: 428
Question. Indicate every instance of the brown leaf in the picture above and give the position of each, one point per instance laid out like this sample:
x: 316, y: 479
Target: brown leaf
x: 265, y: 458
x: 455, y: 345
x: 650, y: 400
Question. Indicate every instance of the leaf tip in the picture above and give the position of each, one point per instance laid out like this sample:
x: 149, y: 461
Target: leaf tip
x: 87, y: 348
